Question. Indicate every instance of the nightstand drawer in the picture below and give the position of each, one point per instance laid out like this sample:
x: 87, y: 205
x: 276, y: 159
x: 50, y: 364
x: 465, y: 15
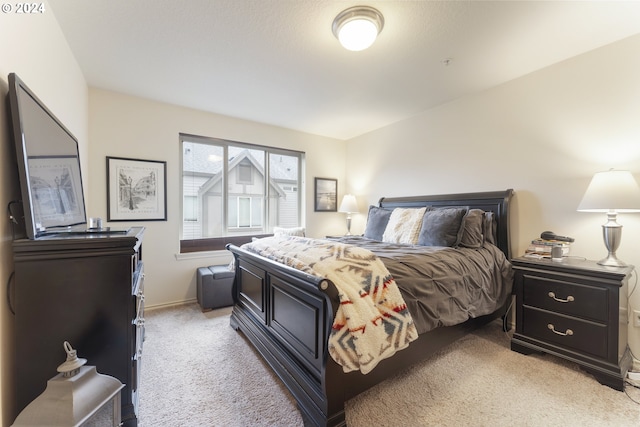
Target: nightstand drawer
x: 568, y: 332
x: 584, y: 301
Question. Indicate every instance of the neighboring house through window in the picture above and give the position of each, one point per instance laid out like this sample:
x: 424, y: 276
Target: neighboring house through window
x: 233, y: 191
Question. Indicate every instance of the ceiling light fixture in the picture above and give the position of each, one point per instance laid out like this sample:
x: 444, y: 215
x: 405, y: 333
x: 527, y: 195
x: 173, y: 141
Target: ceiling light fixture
x: 357, y: 27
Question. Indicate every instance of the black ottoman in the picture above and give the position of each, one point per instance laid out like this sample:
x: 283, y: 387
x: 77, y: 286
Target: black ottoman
x: 214, y: 284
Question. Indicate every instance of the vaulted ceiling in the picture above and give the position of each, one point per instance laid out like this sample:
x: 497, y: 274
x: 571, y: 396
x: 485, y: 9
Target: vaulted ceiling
x: 277, y: 61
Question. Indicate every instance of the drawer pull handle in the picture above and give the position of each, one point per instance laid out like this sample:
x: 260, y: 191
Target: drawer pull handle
x: 570, y: 298
x: 564, y: 334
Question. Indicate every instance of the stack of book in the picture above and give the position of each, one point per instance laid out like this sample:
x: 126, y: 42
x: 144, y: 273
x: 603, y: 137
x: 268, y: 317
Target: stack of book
x: 541, y: 248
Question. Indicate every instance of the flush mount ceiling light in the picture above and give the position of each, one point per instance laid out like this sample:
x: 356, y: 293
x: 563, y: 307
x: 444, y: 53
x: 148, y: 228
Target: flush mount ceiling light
x: 357, y: 27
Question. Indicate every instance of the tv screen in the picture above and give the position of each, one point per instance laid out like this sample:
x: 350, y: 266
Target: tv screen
x: 48, y: 165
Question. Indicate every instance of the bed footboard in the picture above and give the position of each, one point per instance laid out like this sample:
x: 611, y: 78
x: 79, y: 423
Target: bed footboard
x: 287, y: 315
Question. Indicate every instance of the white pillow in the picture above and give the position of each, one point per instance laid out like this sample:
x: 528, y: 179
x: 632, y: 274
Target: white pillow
x: 404, y: 226
x: 293, y: 231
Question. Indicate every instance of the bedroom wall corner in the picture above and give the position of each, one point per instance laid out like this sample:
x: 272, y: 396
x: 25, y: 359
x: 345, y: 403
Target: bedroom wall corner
x: 33, y: 47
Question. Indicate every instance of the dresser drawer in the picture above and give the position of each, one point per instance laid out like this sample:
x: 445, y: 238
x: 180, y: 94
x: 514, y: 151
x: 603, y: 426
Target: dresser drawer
x: 569, y: 332
x: 586, y: 302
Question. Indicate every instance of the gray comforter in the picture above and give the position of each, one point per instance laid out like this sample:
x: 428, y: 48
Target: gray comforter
x: 444, y: 286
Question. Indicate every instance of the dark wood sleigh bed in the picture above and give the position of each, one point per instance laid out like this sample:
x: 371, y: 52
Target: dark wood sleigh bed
x: 288, y: 315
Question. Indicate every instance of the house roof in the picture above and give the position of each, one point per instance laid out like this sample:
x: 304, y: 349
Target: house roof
x: 238, y: 157
x: 196, y: 160
x: 277, y: 61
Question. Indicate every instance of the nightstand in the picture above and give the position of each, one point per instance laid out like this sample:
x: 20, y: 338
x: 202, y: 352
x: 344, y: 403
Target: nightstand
x: 576, y: 310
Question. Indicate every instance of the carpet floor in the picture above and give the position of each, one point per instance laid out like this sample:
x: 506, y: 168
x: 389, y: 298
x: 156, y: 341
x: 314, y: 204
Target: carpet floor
x: 198, y: 372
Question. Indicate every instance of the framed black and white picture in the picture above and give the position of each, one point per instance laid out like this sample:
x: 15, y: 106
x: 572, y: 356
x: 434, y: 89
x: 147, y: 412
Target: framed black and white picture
x: 56, y: 190
x: 326, y: 195
x: 136, y: 190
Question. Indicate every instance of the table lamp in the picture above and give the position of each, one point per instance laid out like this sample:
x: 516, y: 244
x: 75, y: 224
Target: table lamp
x: 612, y: 191
x: 349, y: 206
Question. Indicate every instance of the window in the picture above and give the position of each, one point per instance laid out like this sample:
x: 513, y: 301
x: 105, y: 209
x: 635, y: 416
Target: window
x: 245, y: 170
x: 233, y: 191
x: 248, y: 212
x: 190, y: 208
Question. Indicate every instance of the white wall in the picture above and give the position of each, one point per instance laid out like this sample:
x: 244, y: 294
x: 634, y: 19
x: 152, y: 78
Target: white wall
x: 34, y: 48
x: 126, y: 126
x: 544, y: 135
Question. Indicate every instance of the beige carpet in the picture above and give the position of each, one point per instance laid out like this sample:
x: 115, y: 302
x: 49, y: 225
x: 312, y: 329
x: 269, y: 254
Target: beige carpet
x: 198, y: 372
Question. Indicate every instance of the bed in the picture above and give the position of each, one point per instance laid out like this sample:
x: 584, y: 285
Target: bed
x: 287, y: 314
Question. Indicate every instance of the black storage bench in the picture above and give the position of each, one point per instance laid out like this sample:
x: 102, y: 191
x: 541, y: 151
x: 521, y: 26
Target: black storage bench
x: 214, y: 285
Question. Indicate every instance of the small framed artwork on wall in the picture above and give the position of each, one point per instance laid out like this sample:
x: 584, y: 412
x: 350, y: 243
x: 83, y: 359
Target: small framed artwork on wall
x: 326, y: 195
x: 136, y: 190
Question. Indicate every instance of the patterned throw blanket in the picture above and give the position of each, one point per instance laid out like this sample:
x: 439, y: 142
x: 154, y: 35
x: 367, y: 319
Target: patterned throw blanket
x: 372, y: 321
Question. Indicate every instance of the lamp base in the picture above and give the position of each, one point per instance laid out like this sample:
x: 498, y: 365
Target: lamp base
x: 612, y: 234
x: 612, y: 261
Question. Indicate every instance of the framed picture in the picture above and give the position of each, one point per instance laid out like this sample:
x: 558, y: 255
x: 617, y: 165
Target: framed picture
x: 326, y: 195
x: 136, y: 190
x: 56, y: 190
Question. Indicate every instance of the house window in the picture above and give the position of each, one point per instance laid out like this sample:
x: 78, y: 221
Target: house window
x: 234, y: 191
x: 245, y: 170
x: 246, y: 212
x: 190, y: 208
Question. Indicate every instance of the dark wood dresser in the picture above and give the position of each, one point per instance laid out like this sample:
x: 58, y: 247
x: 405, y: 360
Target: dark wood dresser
x: 85, y: 289
x: 577, y: 310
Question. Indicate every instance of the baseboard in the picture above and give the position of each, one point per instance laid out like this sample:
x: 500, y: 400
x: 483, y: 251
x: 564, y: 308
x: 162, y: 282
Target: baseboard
x: 169, y: 304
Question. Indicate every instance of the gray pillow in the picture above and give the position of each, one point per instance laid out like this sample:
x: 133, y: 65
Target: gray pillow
x: 489, y: 227
x: 376, y: 222
x: 442, y: 227
x: 472, y: 229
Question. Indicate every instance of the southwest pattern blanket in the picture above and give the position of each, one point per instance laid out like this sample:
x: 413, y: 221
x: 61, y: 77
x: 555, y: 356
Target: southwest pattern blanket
x: 372, y: 321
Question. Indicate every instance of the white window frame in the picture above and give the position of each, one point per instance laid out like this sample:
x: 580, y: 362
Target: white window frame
x: 260, y: 229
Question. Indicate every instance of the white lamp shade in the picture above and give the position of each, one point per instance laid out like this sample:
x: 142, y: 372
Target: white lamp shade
x: 348, y: 204
x: 612, y: 190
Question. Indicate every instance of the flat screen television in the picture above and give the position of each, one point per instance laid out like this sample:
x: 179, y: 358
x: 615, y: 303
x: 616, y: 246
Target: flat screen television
x: 48, y: 165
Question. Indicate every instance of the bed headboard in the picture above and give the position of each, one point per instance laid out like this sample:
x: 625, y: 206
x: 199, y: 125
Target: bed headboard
x: 490, y: 201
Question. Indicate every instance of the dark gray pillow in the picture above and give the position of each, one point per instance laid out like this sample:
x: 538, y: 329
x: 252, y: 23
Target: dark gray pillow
x: 489, y: 227
x: 376, y: 222
x: 472, y: 225
x: 442, y: 227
